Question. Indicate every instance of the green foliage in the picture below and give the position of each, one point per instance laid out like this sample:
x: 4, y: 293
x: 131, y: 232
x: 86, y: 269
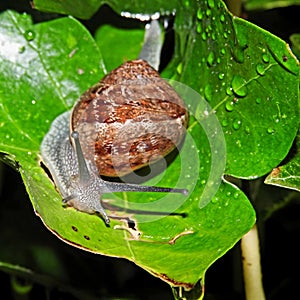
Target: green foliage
x: 288, y: 174
x: 249, y: 77
x: 85, y: 9
x: 295, y: 39
x: 269, y: 4
x: 229, y: 212
x: 107, y: 37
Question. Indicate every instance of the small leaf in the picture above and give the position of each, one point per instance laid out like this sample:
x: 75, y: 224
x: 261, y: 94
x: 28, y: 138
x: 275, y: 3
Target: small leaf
x: 287, y: 175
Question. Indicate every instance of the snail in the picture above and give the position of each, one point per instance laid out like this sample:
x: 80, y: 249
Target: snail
x: 131, y: 118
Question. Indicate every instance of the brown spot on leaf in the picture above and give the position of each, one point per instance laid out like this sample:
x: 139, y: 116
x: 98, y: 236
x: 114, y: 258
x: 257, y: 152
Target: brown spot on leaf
x: 74, y: 228
x: 275, y: 172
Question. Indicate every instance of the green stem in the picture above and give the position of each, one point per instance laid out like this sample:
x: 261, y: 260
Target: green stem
x: 251, y: 265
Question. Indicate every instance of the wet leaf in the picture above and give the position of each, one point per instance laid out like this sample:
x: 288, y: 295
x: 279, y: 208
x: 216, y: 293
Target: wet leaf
x: 47, y: 67
x: 250, y: 78
x: 77, y: 8
x: 287, y: 175
x: 85, y: 9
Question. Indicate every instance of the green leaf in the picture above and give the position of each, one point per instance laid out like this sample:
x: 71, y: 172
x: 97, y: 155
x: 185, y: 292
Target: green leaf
x: 287, y: 175
x: 250, y: 78
x: 44, y: 68
x: 77, y: 8
x: 85, y: 9
x: 129, y: 44
x: 295, y: 39
x: 269, y: 4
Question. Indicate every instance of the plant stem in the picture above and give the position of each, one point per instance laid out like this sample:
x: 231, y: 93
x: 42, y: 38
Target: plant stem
x: 251, y: 266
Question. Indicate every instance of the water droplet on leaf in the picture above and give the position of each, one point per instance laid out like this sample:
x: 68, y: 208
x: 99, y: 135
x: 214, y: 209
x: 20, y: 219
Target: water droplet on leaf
x: 199, y: 14
x: 270, y: 130
x: 211, y: 3
x: 22, y: 49
x: 236, y: 124
x: 211, y: 58
x: 229, y: 105
x: 236, y: 195
x: 229, y: 90
x: 29, y: 35
x: 214, y: 200
x: 239, y: 86
x: 225, y: 123
x: 258, y: 100
x: 208, y: 92
x: 265, y: 58
x: 199, y: 28
x: 221, y: 76
x: 260, y: 69
x: 276, y: 118
x: 187, y: 3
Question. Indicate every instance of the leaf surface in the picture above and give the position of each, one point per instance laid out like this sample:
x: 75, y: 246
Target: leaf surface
x: 47, y: 66
x: 287, y: 175
x: 250, y: 78
x: 133, y: 8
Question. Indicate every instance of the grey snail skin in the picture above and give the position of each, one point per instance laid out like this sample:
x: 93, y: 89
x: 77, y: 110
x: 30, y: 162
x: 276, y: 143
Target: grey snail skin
x: 131, y: 118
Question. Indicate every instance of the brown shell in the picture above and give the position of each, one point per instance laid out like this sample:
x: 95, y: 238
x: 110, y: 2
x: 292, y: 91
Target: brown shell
x: 130, y: 118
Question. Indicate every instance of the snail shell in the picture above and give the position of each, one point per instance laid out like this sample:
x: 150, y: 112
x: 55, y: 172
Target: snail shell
x: 131, y: 117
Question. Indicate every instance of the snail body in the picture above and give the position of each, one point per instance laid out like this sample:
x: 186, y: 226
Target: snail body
x: 130, y: 118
